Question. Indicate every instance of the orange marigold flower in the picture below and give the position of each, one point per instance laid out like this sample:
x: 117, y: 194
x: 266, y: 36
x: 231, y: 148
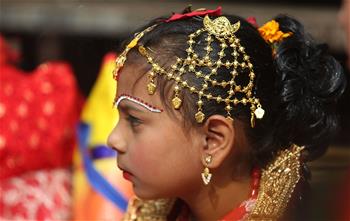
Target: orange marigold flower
x: 271, y: 32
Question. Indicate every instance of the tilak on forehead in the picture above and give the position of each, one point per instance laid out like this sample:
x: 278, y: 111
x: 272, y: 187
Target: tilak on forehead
x: 223, y: 32
x: 137, y: 101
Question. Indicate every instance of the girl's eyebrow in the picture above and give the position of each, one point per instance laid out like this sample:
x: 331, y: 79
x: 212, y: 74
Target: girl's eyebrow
x: 137, y: 101
x: 125, y: 107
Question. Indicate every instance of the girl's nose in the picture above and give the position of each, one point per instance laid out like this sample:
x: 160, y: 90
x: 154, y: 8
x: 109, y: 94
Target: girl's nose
x: 116, y: 141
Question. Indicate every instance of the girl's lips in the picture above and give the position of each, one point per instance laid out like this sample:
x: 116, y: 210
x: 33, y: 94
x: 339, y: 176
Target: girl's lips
x: 127, y: 175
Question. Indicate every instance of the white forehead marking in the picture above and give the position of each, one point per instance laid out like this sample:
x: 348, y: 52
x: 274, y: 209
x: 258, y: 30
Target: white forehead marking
x: 137, y: 101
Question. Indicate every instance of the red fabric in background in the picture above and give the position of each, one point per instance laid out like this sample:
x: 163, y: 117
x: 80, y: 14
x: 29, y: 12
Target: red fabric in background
x: 39, y: 195
x: 38, y: 116
x: 39, y: 112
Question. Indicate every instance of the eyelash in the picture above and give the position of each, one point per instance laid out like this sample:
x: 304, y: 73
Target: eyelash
x: 133, y: 121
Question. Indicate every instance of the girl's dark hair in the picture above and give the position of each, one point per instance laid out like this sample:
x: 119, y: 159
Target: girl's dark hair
x: 298, y: 87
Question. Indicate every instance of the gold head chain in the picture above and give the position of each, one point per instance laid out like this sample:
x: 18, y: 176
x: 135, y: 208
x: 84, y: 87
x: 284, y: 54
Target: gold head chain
x: 221, y: 30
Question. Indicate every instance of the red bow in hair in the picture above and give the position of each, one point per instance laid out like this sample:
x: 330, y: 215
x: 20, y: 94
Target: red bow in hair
x: 177, y: 16
x: 252, y: 21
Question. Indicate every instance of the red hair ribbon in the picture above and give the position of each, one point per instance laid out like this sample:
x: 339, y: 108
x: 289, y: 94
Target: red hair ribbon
x: 177, y: 16
x: 252, y: 21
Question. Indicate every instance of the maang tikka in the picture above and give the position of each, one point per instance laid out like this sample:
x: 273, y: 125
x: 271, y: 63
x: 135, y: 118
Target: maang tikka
x: 221, y: 30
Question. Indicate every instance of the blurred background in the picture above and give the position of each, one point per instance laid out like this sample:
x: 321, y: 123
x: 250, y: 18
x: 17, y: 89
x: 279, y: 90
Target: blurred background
x: 81, y: 32
x: 83, y: 36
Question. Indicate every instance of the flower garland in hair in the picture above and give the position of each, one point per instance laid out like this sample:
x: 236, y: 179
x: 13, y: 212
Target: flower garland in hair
x: 272, y: 34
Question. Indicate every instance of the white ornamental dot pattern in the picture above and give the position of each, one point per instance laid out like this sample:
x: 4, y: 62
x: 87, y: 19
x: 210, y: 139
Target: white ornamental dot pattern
x: 45, y: 190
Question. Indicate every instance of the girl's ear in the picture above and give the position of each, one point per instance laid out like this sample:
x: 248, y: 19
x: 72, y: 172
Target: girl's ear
x: 219, y: 139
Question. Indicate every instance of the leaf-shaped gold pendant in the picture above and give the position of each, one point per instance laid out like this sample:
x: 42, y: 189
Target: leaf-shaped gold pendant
x: 176, y: 102
x: 151, y: 87
x: 199, y: 116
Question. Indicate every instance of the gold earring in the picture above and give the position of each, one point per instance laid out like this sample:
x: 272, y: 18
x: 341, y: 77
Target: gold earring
x: 206, y: 175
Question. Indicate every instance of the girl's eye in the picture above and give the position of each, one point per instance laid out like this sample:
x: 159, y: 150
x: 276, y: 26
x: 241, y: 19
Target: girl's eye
x: 133, y: 121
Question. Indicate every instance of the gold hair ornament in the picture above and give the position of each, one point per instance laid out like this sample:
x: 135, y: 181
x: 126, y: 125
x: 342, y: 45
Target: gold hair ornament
x: 222, y: 30
x: 121, y: 59
x: 219, y: 29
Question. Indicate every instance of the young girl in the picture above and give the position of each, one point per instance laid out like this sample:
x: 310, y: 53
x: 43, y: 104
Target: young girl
x: 218, y: 117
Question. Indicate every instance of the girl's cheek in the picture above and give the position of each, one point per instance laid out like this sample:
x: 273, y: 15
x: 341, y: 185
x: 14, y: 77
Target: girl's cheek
x: 141, y: 161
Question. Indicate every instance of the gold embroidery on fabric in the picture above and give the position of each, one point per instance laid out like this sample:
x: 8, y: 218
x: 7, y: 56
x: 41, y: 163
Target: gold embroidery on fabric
x: 277, y: 184
x: 148, y: 210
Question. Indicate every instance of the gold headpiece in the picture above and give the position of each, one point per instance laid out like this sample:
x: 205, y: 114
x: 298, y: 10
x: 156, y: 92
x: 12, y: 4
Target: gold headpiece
x: 119, y: 63
x: 221, y: 30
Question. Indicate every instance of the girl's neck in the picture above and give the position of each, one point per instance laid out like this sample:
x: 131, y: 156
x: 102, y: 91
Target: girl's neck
x: 214, y: 201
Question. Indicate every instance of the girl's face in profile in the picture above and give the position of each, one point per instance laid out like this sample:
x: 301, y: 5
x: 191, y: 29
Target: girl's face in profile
x: 159, y: 157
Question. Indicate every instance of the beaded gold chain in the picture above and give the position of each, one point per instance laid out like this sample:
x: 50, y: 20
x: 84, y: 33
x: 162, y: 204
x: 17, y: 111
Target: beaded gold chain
x: 219, y: 29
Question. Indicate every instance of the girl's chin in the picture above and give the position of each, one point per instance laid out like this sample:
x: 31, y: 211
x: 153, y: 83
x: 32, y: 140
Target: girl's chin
x: 147, y: 194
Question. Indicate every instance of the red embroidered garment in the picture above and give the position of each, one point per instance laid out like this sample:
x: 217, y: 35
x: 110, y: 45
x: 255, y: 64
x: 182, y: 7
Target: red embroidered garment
x: 237, y: 214
x: 38, y: 116
x: 241, y: 212
x: 37, y: 195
